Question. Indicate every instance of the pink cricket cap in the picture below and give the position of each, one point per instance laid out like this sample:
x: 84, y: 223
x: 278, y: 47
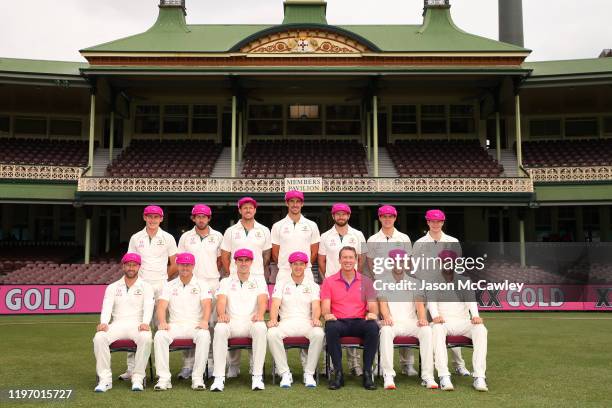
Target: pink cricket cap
x: 435, y: 215
x: 340, y: 207
x: 448, y: 254
x: 387, y: 210
x: 131, y: 257
x: 201, y: 209
x: 245, y: 200
x: 394, y: 253
x: 153, y: 209
x: 294, y: 194
x: 185, y: 259
x: 243, y: 253
x: 298, y: 257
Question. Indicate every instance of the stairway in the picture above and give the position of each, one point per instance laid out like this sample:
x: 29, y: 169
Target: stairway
x: 386, y: 168
x: 223, y: 165
x: 101, y: 161
x: 508, y: 160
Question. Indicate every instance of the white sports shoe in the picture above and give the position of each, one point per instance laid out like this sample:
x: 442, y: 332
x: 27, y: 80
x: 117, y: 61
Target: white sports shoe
x: 137, y: 385
x: 127, y: 376
x: 389, y: 382
x: 430, y: 384
x: 446, y: 384
x: 257, y: 383
x: 162, y: 385
x: 185, y: 373
x: 233, y: 371
x: 309, y: 381
x: 480, y: 384
x: 462, y: 371
x: 103, y: 386
x: 286, y: 380
x: 198, y: 385
x: 218, y: 385
x: 409, y: 370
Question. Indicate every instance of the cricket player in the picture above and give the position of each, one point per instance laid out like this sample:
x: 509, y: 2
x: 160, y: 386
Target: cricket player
x: 205, y: 244
x: 458, y: 318
x: 429, y: 246
x: 157, y: 250
x: 242, y: 300
x: 296, y: 301
x: 379, y: 245
x: 294, y: 233
x: 341, y: 235
x: 350, y: 308
x: 403, y: 314
x: 188, y: 301
x: 126, y: 313
x: 245, y: 234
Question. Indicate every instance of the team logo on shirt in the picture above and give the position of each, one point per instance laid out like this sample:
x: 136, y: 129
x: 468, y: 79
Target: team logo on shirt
x: 305, y: 228
x: 195, y: 291
x: 141, y: 244
x: 159, y: 242
x: 258, y: 234
x: 234, y: 286
x: 286, y: 230
x: 307, y: 290
x: 175, y: 292
x: 237, y: 235
x: 119, y: 292
x: 138, y: 292
x: 211, y: 240
x: 287, y: 290
x: 251, y: 285
x: 331, y: 242
x: 192, y: 241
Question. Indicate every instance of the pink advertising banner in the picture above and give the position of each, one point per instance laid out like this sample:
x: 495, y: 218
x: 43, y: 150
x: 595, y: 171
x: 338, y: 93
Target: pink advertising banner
x: 75, y: 299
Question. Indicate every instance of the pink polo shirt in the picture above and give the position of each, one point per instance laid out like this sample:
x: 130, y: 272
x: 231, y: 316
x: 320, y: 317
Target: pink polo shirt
x: 349, y: 300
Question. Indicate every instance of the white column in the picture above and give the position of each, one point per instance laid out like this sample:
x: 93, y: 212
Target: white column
x: 111, y: 142
x: 375, y: 131
x: 498, y: 136
x: 87, y: 239
x: 369, y: 135
x: 240, y: 139
x: 108, y: 226
x: 233, y: 163
x: 519, y: 149
x: 522, y: 241
x: 92, y: 131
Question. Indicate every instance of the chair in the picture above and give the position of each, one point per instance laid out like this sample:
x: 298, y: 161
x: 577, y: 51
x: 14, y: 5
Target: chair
x: 187, y: 344
x: 129, y: 346
x: 345, y: 343
x: 458, y: 341
x: 401, y: 342
x: 301, y: 343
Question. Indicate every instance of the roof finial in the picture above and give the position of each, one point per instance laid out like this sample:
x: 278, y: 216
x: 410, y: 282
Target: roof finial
x: 173, y: 3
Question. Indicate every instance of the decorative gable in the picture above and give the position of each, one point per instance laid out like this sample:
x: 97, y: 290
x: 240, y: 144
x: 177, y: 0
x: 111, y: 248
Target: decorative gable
x: 304, y: 41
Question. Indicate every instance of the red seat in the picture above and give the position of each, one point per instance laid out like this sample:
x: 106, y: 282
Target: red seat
x: 406, y: 340
x: 458, y: 341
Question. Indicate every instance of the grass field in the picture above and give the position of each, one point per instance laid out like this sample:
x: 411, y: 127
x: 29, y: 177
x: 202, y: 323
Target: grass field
x: 535, y: 359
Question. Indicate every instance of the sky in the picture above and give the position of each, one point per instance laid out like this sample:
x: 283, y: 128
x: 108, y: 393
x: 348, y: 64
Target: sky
x: 57, y: 29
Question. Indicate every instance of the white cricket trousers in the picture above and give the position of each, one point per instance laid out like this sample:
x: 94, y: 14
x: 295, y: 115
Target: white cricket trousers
x: 407, y: 328
x: 460, y: 327
x: 239, y: 328
x: 162, y: 341
x: 189, y: 355
x: 120, y: 331
x: 295, y: 328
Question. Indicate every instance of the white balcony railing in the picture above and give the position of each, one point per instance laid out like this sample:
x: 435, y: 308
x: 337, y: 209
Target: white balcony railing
x: 569, y: 174
x: 38, y: 172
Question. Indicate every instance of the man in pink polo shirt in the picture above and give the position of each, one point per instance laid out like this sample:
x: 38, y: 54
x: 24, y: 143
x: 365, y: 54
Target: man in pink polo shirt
x: 349, y: 306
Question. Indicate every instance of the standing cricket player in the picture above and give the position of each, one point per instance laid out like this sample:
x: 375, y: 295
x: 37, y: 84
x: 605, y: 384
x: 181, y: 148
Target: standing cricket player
x: 339, y: 236
x: 157, y: 249
x: 205, y: 244
x: 294, y: 233
x: 457, y: 317
x: 245, y: 234
x: 188, y: 302
x: 242, y: 300
x: 428, y: 247
x: 126, y: 313
x: 296, y: 301
x: 379, y: 245
x: 403, y: 314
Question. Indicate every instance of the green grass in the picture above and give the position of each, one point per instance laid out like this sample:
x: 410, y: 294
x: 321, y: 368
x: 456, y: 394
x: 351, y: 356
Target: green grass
x: 535, y: 359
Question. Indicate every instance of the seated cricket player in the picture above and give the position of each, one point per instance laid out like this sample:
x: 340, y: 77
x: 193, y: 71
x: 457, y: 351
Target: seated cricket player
x: 403, y: 314
x: 349, y: 306
x: 126, y: 313
x: 297, y: 302
x: 189, y: 303
x: 456, y: 314
x: 242, y: 300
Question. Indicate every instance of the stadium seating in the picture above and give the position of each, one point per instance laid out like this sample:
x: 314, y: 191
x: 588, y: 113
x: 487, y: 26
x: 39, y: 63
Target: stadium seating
x: 44, y: 152
x: 41, y: 273
x: 568, y: 153
x: 442, y: 158
x: 166, y: 159
x: 303, y: 158
x: 17, y: 254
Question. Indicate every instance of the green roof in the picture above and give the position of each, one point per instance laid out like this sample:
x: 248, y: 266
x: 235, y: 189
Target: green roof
x: 41, y: 67
x: 570, y: 67
x: 437, y: 34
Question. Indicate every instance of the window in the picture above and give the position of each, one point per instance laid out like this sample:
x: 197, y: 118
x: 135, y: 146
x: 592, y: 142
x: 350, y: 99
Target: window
x: 404, y: 119
x: 266, y: 120
x: 590, y: 223
x: 462, y: 119
x: 608, y: 124
x: 176, y: 119
x: 304, y: 120
x: 5, y: 124
x: 204, y: 119
x: 433, y: 119
x: 65, y: 127
x: 544, y: 127
x: 147, y: 120
x: 30, y: 126
x: 303, y: 112
x: 575, y: 127
x: 343, y: 120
